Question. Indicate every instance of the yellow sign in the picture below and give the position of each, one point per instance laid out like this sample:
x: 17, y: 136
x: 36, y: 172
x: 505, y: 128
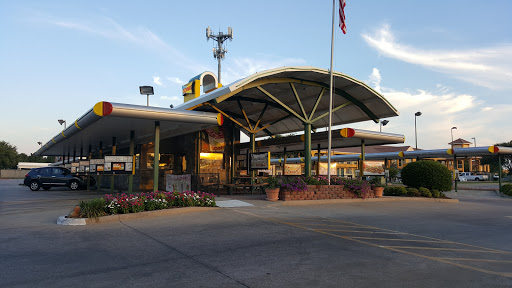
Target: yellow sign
x: 188, y: 88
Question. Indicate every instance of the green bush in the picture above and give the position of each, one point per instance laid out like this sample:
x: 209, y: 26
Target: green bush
x: 395, y: 191
x: 413, y: 192
x: 93, y: 208
x: 435, y: 193
x: 428, y: 174
x: 507, y: 189
x: 425, y: 192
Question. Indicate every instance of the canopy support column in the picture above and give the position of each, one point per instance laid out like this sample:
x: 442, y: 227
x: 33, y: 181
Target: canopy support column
x: 454, y: 168
x: 88, y: 171
x: 363, y: 158
x: 156, y: 165
x: 499, y: 172
x: 232, y: 170
x: 132, y: 152
x: 307, y: 149
x: 253, y: 149
x: 284, y: 160
x: 100, y: 156
x: 199, y: 145
x: 112, y: 181
x: 318, y: 161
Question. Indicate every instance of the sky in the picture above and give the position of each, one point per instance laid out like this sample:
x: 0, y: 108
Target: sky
x: 450, y: 60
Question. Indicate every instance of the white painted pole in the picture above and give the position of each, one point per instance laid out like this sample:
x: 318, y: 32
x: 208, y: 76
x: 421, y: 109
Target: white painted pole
x: 330, y: 97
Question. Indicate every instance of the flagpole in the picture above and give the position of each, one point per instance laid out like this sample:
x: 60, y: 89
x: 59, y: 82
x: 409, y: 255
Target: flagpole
x: 329, y: 137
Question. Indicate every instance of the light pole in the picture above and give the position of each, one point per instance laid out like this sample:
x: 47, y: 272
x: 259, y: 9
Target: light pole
x: 474, y: 140
x: 383, y: 123
x: 415, y: 131
x: 452, y: 135
x: 62, y: 122
x: 146, y: 90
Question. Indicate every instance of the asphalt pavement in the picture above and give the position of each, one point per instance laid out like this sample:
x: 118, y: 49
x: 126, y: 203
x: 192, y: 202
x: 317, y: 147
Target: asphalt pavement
x: 261, y: 244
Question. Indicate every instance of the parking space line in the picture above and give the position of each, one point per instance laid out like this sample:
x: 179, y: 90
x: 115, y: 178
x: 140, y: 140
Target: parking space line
x: 475, y: 260
x: 504, y: 274
x: 404, y: 240
x: 400, y: 249
x: 334, y: 225
x: 448, y: 249
x: 359, y: 231
x: 413, y: 235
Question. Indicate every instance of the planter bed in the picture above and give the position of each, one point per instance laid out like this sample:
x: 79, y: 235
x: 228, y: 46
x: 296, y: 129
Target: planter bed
x: 320, y: 192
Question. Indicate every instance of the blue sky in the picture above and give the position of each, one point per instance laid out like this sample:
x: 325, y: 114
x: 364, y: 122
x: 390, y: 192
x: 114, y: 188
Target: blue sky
x: 451, y: 60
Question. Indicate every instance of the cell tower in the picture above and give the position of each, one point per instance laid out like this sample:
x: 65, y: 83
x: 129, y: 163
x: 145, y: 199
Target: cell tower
x: 220, y: 51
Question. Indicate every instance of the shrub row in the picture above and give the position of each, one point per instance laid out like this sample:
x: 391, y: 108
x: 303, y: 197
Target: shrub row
x: 412, y: 192
x: 507, y: 189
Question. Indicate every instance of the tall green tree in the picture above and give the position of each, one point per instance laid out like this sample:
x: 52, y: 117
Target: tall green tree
x: 8, y: 156
x: 506, y: 159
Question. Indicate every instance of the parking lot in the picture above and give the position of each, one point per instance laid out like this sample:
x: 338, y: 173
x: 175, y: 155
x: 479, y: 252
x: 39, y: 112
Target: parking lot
x: 358, y: 244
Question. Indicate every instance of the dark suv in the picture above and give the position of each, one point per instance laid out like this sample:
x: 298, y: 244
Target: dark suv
x: 48, y: 177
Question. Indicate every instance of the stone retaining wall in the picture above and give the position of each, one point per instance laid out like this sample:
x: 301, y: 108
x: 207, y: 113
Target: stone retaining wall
x: 319, y: 192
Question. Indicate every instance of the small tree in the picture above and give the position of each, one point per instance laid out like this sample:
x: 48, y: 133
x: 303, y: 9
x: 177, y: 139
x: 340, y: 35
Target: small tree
x: 8, y: 156
x: 428, y: 174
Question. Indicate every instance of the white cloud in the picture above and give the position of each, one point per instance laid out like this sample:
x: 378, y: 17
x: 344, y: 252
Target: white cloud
x: 375, y: 79
x: 441, y: 109
x: 489, y: 67
x: 244, y: 66
x: 108, y: 28
x: 156, y: 80
x: 176, y: 80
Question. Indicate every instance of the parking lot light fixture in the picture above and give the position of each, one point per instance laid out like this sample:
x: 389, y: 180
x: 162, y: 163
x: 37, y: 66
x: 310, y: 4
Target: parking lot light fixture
x: 415, y: 131
x: 62, y: 122
x: 452, y: 134
x: 146, y: 90
x: 383, y: 123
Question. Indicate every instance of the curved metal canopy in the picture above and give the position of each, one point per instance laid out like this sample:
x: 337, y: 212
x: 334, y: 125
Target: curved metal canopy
x: 107, y: 120
x: 346, y: 137
x: 282, y: 100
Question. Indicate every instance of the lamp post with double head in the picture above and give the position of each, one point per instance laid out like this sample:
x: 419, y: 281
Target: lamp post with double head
x: 415, y: 131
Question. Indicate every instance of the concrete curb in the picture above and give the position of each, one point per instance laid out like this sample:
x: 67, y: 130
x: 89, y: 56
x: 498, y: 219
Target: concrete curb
x: 383, y: 199
x: 62, y: 220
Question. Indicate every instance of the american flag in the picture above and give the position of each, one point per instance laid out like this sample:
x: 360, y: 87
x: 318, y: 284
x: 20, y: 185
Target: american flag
x: 342, y: 17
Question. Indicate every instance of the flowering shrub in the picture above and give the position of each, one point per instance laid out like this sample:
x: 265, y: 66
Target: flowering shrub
x: 357, y: 186
x: 336, y: 180
x: 294, y: 183
x: 124, y: 203
x: 316, y: 180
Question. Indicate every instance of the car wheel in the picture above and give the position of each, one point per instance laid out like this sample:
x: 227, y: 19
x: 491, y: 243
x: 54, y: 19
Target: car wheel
x: 34, y: 185
x: 46, y: 187
x: 74, y: 185
x: 477, y: 179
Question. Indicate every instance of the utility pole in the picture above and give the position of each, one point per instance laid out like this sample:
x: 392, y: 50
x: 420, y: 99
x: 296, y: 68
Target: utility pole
x: 220, y: 51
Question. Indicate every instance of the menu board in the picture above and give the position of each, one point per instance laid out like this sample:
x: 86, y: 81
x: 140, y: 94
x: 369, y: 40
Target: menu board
x: 83, y: 166
x: 323, y: 169
x: 292, y: 169
x: 260, y: 160
x: 96, y: 165
x: 119, y: 164
x: 178, y: 183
